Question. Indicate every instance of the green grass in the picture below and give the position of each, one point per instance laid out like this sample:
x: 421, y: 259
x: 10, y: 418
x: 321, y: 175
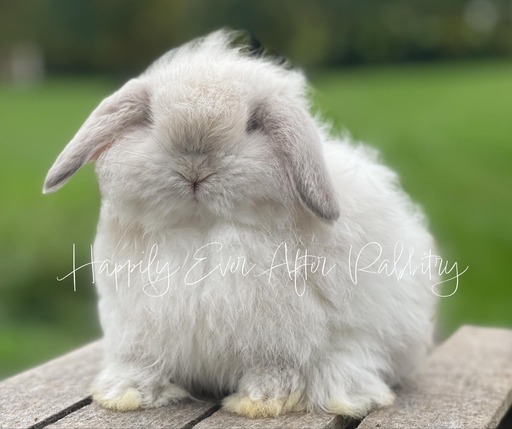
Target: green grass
x: 39, y: 316
x: 444, y: 128
x: 447, y: 130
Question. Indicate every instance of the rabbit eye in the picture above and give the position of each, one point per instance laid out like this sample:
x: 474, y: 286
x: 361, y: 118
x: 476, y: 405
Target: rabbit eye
x: 253, y: 124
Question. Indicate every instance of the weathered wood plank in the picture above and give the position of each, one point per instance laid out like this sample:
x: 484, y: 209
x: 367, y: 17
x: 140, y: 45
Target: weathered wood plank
x: 466, y: 383
x: 41, y: 392
x: 181, y: 415
x: 222, y: 420
x: 172, y: 416
x: 44, y: 395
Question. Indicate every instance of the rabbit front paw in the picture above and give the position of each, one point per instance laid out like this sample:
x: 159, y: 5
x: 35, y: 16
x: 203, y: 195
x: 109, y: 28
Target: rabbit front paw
x: 132, y: 398
x: 114, y: 392
x: 267, y: 393
x: 128, y: 400
x: 263, y: 407
x: 357, y: 407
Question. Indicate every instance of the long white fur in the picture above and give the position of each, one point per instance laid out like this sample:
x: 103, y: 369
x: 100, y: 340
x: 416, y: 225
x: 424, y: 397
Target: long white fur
x: 326, y: 344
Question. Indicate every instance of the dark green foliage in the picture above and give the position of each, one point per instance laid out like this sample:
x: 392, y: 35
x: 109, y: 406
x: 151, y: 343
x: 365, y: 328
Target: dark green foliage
x: 123, y: 36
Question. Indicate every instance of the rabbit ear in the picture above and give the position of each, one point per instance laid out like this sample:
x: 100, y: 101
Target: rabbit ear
x: 126, y: 108
x: 295, y: 138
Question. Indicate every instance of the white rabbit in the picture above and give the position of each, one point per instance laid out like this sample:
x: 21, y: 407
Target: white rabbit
x: 242, y: 252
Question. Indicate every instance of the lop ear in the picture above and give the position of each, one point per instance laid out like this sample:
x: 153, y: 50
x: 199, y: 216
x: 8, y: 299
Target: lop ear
x: 126, y: 108
x: 295, y: 138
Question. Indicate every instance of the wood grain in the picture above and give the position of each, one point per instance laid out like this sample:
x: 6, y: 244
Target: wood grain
x: 171, y: 416
x: 222, y: 420
x: 35, y: 395
x: 466, y: 383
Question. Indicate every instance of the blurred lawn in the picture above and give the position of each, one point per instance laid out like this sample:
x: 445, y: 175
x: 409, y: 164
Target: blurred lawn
x: 39, y: 316
x: 445, y: 128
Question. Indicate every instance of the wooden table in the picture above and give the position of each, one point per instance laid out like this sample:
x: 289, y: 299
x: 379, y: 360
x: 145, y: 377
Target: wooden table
x: 466, y: 383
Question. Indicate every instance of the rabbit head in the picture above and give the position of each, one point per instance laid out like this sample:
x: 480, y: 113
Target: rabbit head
x: 208, y: 131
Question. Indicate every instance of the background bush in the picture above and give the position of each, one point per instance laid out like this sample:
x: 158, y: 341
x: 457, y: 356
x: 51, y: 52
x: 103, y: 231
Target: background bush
x: 123, y: 36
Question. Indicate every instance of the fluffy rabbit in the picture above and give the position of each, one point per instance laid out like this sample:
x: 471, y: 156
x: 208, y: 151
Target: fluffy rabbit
x: 242, y: 252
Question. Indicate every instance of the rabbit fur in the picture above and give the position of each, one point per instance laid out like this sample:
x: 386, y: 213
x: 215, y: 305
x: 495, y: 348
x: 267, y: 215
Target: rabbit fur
x: 244, y: 252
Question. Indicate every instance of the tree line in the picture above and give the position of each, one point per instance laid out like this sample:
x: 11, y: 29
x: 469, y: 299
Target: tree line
x: 123, y: 36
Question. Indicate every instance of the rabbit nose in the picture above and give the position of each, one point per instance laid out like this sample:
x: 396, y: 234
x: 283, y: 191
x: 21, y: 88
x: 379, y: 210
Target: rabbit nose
x: 196, y: 181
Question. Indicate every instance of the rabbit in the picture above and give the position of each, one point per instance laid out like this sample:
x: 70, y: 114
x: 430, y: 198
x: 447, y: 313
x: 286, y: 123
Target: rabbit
x: 244, y: 252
